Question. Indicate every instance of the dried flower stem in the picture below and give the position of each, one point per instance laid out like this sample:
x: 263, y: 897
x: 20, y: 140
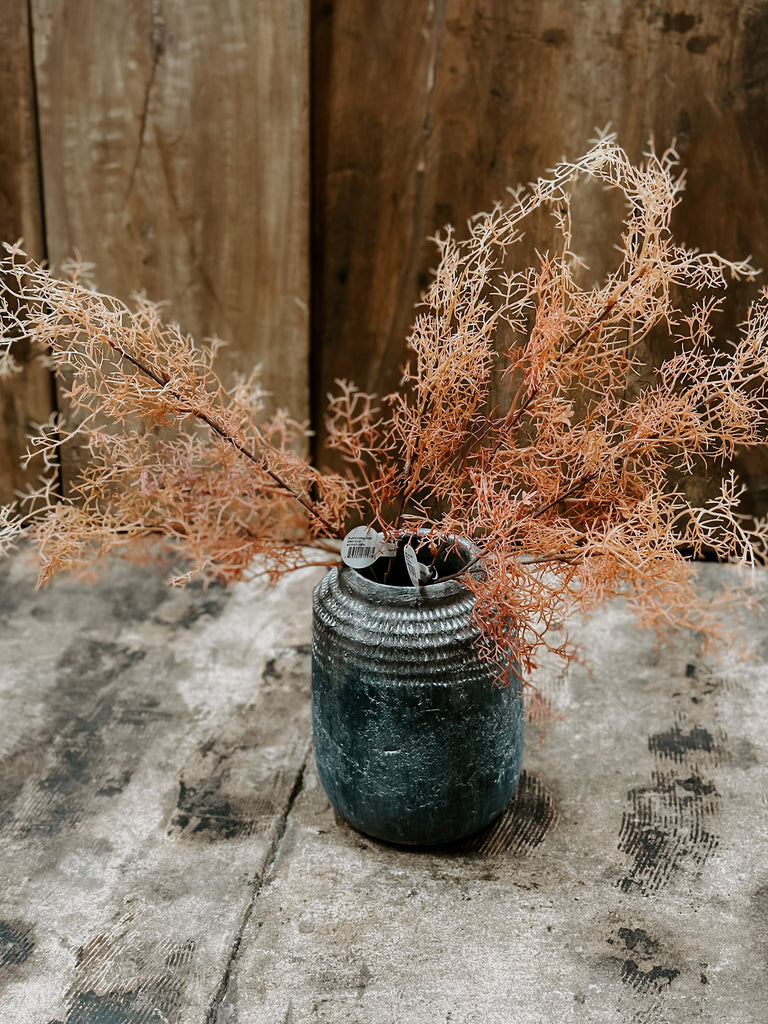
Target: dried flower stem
x: 569, y: 496
x: 261, y: 461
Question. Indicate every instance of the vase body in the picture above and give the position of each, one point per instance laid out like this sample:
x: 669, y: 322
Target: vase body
x: 415, y: 740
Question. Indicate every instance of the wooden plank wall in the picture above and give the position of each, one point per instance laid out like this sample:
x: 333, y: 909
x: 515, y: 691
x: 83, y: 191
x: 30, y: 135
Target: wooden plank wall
x: 174, y: 141
x: 174, y: 144
x: 426, y: 110
x: 26, y: 398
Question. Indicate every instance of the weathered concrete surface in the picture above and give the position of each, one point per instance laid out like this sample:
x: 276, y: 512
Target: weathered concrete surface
x: 150, y: 744
x: 166, y: 854
x: 627, y: 882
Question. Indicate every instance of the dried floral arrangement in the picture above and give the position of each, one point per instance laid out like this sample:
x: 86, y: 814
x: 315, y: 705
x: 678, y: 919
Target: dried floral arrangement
x: 563, y: 477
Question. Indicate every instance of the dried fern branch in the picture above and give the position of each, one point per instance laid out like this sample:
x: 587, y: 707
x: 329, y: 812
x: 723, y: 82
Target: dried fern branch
x: 168, y: 450
x: 564, y: 478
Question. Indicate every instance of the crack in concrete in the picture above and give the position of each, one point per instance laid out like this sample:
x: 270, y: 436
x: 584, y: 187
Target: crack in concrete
x: 226, y: 985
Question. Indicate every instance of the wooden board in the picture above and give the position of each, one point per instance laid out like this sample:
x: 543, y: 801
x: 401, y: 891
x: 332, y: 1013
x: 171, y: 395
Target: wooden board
x: 26, y: 398
x: 425, y: 112
x: 175, y: 152
x: 175, y: 159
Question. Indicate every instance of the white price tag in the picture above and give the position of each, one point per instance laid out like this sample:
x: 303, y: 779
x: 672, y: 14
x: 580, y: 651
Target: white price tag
x: 360, y: 547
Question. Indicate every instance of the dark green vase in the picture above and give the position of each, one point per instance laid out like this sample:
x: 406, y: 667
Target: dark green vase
x: 415, y: 740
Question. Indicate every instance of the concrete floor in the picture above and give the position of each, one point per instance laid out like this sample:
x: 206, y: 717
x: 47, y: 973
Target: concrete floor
x: 167, y: 853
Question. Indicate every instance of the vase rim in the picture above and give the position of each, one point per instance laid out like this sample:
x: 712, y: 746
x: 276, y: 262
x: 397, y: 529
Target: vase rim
x: 385, y: 593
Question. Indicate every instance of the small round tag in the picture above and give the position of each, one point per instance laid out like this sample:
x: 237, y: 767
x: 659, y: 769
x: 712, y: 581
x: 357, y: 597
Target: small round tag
x: 360, y: 547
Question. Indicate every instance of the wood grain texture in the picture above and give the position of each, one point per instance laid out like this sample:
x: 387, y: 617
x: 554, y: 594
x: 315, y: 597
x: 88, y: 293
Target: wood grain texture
x: 175, y: 151
x: 175, y: 158
x: 428, y: 111
x: 26, y: 398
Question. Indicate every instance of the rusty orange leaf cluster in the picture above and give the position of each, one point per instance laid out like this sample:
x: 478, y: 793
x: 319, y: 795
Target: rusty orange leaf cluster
x: 528, y: 419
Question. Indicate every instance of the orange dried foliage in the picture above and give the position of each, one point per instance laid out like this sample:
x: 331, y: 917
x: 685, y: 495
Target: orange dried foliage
x: 567, y: 491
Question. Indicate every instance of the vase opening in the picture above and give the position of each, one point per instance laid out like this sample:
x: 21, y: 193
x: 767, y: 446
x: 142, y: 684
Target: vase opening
x: 443, y: 557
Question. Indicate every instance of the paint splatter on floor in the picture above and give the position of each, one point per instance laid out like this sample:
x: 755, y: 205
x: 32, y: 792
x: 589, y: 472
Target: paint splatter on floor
x: 16, y: 943
x: 670, y: 822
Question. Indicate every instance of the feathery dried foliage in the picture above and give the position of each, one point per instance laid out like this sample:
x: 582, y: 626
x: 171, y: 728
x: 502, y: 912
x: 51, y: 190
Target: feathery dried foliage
x: 564, y: 480
x: 168, y: 450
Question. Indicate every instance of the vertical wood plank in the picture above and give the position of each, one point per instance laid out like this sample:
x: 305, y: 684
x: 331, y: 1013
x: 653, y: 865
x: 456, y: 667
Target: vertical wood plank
x: 373, y: 91
x: 26, y: 397
x: 429, y: 110
x: 175, y: 158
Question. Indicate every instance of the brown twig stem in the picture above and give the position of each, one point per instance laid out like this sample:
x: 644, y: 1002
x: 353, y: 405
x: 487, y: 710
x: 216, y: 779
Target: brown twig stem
x: 224, y: 434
